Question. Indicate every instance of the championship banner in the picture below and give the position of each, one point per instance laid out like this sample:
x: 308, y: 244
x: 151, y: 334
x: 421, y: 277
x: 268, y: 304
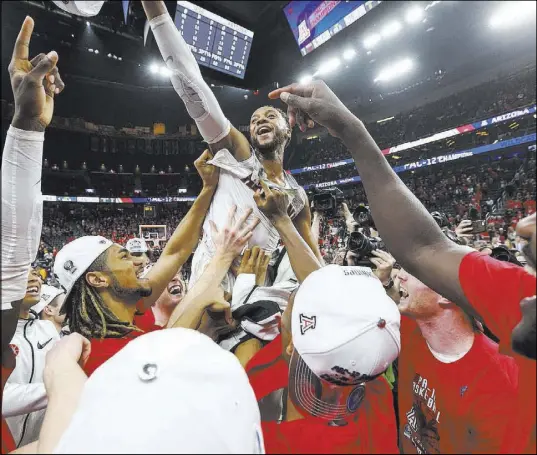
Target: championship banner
x: 427, y: 140
x: 436, y: 160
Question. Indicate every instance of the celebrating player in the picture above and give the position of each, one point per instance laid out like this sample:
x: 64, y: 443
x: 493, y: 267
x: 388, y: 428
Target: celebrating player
x: 243, y: 166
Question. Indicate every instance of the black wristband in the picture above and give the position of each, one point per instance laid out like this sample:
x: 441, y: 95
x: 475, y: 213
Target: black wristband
x: 389, y: 285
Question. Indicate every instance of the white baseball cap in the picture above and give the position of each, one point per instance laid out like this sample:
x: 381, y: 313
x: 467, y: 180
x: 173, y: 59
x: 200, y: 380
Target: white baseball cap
x: 345, y: 332
x: 85, y: 8
x: 48, y: 294
x: 76, y: 257
x: 168, y: 391
x: 136, y: 246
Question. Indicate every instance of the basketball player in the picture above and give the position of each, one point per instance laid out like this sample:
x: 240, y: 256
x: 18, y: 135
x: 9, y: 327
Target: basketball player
x: 242, y: 166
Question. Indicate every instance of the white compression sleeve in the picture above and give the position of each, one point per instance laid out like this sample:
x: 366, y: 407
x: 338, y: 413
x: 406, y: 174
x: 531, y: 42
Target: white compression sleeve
x: 22, y: 210
x: 187, y: 81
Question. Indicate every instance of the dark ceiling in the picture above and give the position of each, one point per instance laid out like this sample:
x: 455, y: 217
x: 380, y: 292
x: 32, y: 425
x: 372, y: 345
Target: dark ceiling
x: 455, y: 39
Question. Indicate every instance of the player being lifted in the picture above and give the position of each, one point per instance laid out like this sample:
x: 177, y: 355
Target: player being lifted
x: 242, y: 166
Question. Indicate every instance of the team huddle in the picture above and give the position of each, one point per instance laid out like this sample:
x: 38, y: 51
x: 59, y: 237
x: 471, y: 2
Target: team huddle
x: 266, y: 349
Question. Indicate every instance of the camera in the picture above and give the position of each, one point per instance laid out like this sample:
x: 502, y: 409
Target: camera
x: 361, y: 246
x: 327, y: 201
x: 441, y: 219
x: 478, y: 225
x: 502, y: 253
x: 362, y: 215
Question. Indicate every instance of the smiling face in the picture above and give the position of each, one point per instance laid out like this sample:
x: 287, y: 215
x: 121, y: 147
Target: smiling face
x: 121, y: 274
x: 33, y: 290
x: 417, y: 300
x: 269, y: 130
x: 174, y: 292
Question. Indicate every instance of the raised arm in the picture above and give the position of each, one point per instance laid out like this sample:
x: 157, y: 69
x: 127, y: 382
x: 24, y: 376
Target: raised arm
x: 410, y: 233
x: 207, y: 292
x: 188, y: 82
x: 303, y: 225
x: 186, y: 235
x: 34, y: 84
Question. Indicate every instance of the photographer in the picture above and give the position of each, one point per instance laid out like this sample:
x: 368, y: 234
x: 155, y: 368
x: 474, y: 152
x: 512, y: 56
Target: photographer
x: 478, y: 283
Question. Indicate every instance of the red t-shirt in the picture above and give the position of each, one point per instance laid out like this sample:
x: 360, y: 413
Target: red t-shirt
x: 373, y: 430
x: 459, y: 407
x: 8, y: 443
x: 103, y: 349
x: 495, y: 289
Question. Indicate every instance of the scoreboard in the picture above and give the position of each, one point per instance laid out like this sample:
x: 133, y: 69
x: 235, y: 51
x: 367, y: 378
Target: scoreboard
x: 214, y: 41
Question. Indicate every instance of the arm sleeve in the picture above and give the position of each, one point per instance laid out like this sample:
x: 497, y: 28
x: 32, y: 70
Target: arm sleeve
x: 20, y: 399
x: 22, y: 210
x: 494, y: 289
x: 188, y: 82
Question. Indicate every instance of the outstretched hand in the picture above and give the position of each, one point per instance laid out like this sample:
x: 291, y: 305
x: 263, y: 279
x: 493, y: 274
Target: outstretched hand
x: 34, y: 82
x: 315, y: 102
x: 233, y: 238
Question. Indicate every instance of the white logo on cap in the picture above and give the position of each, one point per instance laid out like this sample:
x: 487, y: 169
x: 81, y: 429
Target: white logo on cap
x: 307, y: 323
x: 69, y: 266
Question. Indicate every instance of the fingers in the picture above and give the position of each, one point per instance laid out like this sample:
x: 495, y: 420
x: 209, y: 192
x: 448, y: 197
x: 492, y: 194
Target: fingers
x: 249, y: 228
x: 255, y: 255
x: 266, y: 190
x: 44, y: 66
x: 243, y: 218
x: 246, y: 257
x: 22, y: 44
x: 86, y: 351
x: 376, y: 261
x: 214, y: 229
x: 53, y: 78
x: 231, y: 216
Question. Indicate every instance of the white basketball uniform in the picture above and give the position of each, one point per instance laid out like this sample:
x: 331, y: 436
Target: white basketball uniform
x: 237, y: 184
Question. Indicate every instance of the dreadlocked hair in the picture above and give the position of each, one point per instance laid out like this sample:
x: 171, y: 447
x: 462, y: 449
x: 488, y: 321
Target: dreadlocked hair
x: 87, y: 314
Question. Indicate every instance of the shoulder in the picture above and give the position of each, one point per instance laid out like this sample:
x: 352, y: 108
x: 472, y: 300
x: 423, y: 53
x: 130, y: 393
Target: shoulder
x: 49, y: 328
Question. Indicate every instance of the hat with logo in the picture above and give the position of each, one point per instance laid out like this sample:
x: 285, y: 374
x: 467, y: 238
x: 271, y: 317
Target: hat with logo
x: 345, y: 333
x: 136, y: 246
x: 48, y: 294
x: 86, y: 8
x: 190, y: 395
x: 76, y: 257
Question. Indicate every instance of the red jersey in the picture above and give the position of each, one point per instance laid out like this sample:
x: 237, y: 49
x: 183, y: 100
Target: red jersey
x: 372, y: 431
x: 8, y: 443
x: 495, y: 289
x: 458, y: 407
x: 103, y: 349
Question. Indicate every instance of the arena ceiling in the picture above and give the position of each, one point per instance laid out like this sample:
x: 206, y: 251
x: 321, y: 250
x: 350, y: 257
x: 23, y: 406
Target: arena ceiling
x: 454, y: 42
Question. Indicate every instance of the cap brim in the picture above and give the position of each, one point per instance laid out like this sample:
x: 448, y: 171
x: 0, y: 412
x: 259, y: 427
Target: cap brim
x: 320, y: 398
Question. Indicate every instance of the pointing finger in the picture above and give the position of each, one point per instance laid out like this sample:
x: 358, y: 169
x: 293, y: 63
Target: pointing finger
x: 22, y: 45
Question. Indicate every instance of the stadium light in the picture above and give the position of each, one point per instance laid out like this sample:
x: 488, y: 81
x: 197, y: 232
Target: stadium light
x: 511, y: 13
x: 371, y: 41
x: 305, y: 79
x: 91, y: 50
x: 164, y: 71
x: 349, y: 54
x: 109, y: 55
x: 88, y: 23
x: 391, y: 29
x: 329, y: 66
x: 414, y: 15
x: 154, y: 68
x: 397, y: 69
x: 96, y: 51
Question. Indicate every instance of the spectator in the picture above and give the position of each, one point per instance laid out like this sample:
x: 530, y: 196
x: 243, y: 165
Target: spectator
x: 24, y: 397
x: 478, y: 283
x: 49, y: 306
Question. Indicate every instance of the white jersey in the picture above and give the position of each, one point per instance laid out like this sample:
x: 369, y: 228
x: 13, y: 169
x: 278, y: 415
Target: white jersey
x: 236, y: 186
x: 25, y: 398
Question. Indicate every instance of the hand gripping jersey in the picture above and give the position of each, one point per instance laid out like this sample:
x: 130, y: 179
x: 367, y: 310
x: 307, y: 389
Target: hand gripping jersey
x: 238, y: 182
